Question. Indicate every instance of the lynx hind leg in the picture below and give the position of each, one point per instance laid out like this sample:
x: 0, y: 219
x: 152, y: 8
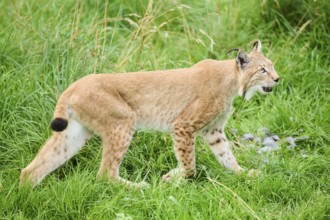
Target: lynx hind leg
x: 116, y: 140
x: 57, y: 150
x: 220, y: 147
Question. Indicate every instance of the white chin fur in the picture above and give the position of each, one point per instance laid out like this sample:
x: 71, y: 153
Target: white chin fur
x: 252, y: 90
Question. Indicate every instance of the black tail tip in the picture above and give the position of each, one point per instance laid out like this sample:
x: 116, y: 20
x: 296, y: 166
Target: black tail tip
x: 59, y: 124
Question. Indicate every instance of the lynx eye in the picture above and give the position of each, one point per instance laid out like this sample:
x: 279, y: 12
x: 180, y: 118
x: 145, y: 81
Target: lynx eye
x: 263, y: 70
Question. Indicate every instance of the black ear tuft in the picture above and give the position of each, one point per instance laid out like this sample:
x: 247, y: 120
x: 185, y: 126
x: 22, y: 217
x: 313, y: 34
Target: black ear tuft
x: 234, y: 49
x: 59, y: 124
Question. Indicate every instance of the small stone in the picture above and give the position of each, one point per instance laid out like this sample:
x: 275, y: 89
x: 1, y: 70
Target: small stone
x: 248, y: 137
x: 269, y: 145
x: 268, y: 149
x: 269, y: 141
x: 301, y: 130
x: 275, y: 137
x: 291, y: 119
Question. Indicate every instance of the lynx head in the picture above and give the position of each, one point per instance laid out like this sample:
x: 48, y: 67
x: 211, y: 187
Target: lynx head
x: 256, y: 72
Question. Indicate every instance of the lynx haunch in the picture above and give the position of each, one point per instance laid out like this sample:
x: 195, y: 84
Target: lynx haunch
x: 187, y: 102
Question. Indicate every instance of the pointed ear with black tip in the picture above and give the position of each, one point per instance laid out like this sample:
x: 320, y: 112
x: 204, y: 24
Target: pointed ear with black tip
x: 256, y: 45
x: 242, y: 59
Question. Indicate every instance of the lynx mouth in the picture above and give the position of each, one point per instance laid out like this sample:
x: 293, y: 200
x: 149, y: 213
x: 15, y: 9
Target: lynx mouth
x: 267, y: 89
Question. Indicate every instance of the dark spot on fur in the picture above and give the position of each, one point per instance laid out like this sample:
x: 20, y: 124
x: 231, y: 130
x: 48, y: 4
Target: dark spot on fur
x: 216, y: 142
x: 178, y: 140
x: 221, y: 154
x: 199, y: 123
x: 224, y: 139
x: 182, y: 133
x: 117, y: 160
x: 182, y: 150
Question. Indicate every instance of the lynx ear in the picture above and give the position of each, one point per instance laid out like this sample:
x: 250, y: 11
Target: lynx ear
x: 256, y: 45
x: 242, y: 58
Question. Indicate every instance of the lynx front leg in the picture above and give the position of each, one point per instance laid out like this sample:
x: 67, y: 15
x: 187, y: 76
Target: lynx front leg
x: 56, y: 151
x: 221, y: 148
x: 185, y: 127
x: 184, y: 138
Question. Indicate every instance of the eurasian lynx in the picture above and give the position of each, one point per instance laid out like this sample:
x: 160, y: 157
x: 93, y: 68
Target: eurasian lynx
x: 187, y: 102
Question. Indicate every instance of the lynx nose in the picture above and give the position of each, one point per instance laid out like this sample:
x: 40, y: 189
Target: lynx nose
x: 276, y: 80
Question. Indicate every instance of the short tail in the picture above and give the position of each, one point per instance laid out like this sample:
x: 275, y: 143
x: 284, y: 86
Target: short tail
x: 59, y: 124
x: 61, y: 116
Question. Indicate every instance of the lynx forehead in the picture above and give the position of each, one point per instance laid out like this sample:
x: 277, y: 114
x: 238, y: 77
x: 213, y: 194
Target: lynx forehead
x: 187, y: 102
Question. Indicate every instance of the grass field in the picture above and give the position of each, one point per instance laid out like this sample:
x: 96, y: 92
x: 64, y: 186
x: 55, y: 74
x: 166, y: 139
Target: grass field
x: 47, y: 45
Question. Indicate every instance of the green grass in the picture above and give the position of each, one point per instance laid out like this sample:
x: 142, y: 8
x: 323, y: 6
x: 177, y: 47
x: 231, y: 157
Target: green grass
x: 47, y: 45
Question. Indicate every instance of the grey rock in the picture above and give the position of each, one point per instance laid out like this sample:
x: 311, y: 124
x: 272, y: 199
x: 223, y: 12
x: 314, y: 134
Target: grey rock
x: 276, y: 137
x: 269, y: 145
x: 268, y: 149
x: 269, y: 141
x: 248, y: 137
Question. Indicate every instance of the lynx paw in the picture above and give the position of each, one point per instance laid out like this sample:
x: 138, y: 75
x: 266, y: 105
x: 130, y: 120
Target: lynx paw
x: 177, y: 174
x: 28, y: 178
